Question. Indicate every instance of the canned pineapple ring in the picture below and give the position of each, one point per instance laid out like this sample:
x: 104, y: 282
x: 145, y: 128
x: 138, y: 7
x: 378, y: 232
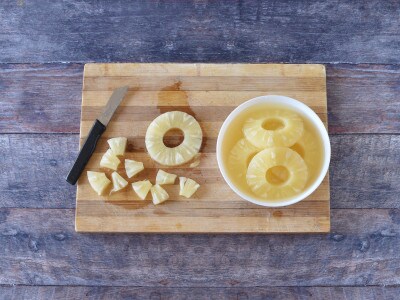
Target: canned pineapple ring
x: 180, y: 154
x: 292, y: 183
x: 276, y: 129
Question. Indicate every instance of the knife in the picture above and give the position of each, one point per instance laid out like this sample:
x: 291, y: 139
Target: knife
x: 97, y: 130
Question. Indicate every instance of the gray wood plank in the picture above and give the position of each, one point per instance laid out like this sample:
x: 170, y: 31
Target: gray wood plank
x: 287, y: 293
x: 40, y: 98
x: 33, y: 170
x: 40, y: 247
x: 363, y: 98
x: 47, y: 97
x: 364, y: 170
x: 223, y: 31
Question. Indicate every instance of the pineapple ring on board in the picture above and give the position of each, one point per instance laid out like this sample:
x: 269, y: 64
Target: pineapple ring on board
x: 182, y: 153
x: 276, y: 129
x: 288, y: 185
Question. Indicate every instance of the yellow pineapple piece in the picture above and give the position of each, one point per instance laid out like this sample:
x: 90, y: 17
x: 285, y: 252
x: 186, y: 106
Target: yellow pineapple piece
x: 109, y: 160
x: 98, y: 181
x: 276, y: 129
x: 307, y: 148
x: 118, y: 181
x: 180, y: 154
x: 165, y: 178
x: 240, y: 156
x: 142, y: 188
x: 277, y: 173
x: 196, y: 161
x: 133, y: 167
x: 117, y: 145
x: 159, y: 194
x: 187, y: 187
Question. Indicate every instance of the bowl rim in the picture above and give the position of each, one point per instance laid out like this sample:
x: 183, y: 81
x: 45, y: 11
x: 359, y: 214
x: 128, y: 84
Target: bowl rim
x: 297, y: 106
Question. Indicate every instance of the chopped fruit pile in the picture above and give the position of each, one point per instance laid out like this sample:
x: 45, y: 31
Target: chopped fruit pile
x: 100, y: 183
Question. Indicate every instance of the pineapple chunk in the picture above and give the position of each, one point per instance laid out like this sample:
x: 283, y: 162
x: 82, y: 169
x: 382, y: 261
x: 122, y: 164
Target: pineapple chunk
x: 117, y: 145
x: 159, y: 194
x: 142, y: 188
x: 98, y: 181
x: 133, y: 167
x: 196, y: 161
x: 119, y: 182
x: 165, y: 178
x: 109, y: 160
x: 187, y: 187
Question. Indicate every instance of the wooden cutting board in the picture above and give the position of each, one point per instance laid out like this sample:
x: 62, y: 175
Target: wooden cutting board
x: 209, y: 92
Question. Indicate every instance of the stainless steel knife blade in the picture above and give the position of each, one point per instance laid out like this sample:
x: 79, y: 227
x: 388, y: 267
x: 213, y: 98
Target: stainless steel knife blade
x: 112, y: 105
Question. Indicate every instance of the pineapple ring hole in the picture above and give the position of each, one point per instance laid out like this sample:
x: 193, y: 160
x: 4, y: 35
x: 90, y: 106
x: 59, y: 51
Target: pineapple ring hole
x: 173, y: 137
x: 299, y: 149
x: 272, y: 124
x: 277, y: 175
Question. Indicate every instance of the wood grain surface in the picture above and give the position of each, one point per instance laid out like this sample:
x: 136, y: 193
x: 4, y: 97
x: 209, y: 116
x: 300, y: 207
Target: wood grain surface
x: 215, y: 207
x: 200, y: 31
x: 39, y: 98
x: 36, y: 166
x: 42, y: 248
x: 256, y: 293
x: 43, y: 48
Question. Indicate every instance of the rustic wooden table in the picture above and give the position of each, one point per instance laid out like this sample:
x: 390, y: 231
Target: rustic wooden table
x: 43, y: 47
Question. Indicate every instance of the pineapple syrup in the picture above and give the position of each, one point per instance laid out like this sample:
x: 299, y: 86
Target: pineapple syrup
x: 311, y: 149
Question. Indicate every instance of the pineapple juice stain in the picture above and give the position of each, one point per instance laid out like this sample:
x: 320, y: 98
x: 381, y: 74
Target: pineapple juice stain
x: 309, y: 147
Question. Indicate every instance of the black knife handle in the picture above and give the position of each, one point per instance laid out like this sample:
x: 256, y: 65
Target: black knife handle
x: 86, y: 152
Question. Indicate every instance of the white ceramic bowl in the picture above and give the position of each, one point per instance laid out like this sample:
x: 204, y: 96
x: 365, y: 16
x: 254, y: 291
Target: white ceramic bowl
x: 306, y: 112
